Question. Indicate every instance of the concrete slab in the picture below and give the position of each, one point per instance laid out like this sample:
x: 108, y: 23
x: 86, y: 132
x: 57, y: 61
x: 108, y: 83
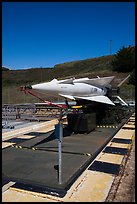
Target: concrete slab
x: 132, y: 117
x: 25, y: 136
x: 120, y: 145
x: 26, y: 129
x: 125, y: 134
x: 106, y: 157
x: 93, y: 188
x: 131, y: 123
x: 16, y: 196
x: 128, y: 126
x: 7, y: 144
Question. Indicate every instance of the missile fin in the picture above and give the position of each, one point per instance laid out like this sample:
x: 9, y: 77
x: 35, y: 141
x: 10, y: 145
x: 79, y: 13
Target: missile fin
x: 101, y: 99
x: 67, y: 96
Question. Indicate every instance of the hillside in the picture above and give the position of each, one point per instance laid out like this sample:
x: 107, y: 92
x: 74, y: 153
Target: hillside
x: 75, y: 68
x: 13, y: 79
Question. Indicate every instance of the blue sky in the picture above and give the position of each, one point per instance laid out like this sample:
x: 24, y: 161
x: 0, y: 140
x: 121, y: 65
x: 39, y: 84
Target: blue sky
x: 42, y: 34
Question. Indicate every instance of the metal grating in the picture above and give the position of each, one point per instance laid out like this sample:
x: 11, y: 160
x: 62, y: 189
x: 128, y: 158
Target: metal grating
x: 121, y: 140
x: 105, y: 167
x: 116, y: 150
x: 128, y: 128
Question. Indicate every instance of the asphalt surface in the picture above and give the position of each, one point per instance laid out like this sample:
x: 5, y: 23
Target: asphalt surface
x: 39, y: 168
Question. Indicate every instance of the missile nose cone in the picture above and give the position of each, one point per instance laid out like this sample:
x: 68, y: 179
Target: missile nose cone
x: 23, y: 88
x: 28, y: 86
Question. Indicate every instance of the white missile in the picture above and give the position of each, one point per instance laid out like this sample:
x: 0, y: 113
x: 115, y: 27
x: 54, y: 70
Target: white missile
x: 94, y: 89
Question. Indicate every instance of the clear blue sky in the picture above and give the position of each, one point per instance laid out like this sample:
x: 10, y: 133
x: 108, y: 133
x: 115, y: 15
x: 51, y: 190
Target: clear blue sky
x: 42, y: 34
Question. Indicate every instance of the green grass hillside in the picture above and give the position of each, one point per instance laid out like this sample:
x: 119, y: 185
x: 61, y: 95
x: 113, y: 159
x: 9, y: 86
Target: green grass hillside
x: 13, y: 79
x: 75, y: 68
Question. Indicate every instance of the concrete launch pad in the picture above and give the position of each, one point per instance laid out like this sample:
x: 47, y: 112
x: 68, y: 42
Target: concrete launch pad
x: 34, y: 163
x: 38, y: 169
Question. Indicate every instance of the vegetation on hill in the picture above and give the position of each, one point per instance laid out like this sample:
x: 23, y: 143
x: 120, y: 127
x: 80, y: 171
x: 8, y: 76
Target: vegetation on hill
x: 132, y: 78
x: 88, y: 65
x: 124, y: 60
x: 69, y: 69
x: 13, y: 79
x: 5, y: 69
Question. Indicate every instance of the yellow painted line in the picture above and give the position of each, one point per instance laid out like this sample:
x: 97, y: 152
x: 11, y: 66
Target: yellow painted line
x: 107, y: 126
x: 77, y: 106
x: 111, y: 158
